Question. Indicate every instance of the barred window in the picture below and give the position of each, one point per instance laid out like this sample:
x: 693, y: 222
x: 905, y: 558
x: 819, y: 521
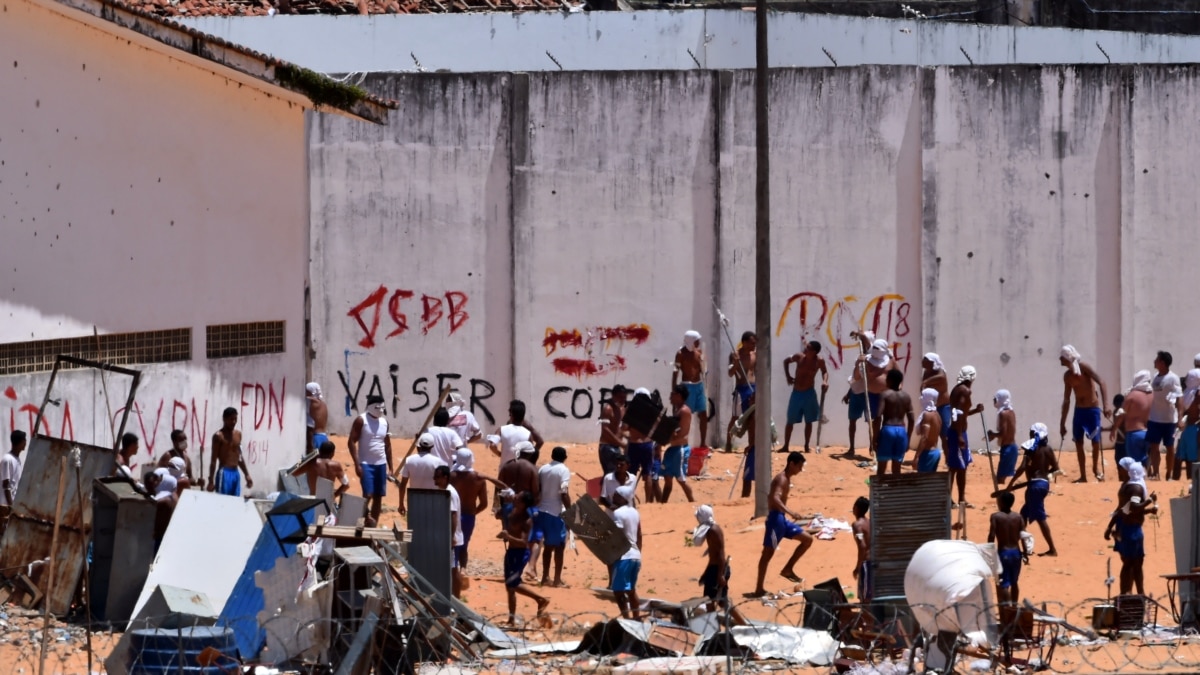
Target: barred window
x: 245, y: 339
x: 155, y: 346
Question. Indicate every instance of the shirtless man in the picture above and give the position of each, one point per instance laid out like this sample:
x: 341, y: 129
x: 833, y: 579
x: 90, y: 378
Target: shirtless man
x: 227, y: 452
x: 1005, y: 434
x: 472, y: 490
x: 178, y: 449
x: 612, y: 442
x: 746, y: 428
x: 1082, y: 380
x: 1038, y: 464
x: 861, y: 529
x: 1134, y: 502
x: 933, y: 376
x: 318, y: 416
x: 780, y: 528
x: 874, y: 363
x: 804, y: 404
x: 675, y: 459
x: 642, y: 456
x: 929, y: 432
x: 325, y: 466
x: 1005, y: 531
x: 1136, y: 417
x: 957, y: 450
x: 691, y: 368
x: 741, y: 368
x: 897, y: 428
x: 515, y: 536
x: 520, y: 475
x: 1164, y: 413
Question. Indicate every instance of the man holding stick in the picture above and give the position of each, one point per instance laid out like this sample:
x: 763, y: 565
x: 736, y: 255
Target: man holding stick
x: 1080, y: 379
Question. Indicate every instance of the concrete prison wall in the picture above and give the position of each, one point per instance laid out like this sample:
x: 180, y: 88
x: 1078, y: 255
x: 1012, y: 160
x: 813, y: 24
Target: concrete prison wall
x: 545, y: 236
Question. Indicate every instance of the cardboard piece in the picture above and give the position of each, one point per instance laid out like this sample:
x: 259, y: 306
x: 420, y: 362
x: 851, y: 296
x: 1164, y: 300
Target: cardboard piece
x: 592, y: 525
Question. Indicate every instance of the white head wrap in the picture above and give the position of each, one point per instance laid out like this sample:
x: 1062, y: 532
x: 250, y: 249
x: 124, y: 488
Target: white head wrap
x: 935, y: 360
x: 966, y: 374
x: 177, y: 467
x: 1137, y: 474
x: 691, y: 340
x: 524, y: 448
x: 464, y: 460
x: 1141, y: 382
x: 929, y: 399
x: 706, y: 519
x: 1002, y: 400
x: 626, y: 492
x: 1071, y: 354
x: 1126, y: 462
x: 641, y: 391
x: 166, y: 484
x: 454, y: 403
x: 1040, y: 435
x: 314, y: 390
x: 880, y: 356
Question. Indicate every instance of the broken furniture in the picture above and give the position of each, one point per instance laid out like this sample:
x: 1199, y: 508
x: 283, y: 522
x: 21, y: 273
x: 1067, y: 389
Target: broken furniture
x: 592, y: 525
x: 122, y: 548
x: 1135, y: 612
x: 1024, y: 631
x: 1183, y: 596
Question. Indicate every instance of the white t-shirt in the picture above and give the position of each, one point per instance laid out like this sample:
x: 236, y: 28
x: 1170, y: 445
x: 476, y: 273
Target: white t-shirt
x: 1166, y: 392
x: 418, y: 469
x: 463, y: 422
x: 608, y: 487
x: 456, y: 515
x: 10, y: 470
x: 371, y: 440
x: 628, y: 519
x: 510, y: 435
x: 553, y: 479
x: 445, y: 442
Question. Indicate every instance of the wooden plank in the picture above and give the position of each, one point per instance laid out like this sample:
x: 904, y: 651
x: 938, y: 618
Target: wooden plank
x: 351, y: 532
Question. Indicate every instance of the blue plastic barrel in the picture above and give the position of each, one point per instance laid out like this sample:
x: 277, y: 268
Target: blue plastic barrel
x: 170, y: 651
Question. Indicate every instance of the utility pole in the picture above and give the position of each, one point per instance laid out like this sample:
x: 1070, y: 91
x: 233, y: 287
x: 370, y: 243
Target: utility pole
x: 762, y: 267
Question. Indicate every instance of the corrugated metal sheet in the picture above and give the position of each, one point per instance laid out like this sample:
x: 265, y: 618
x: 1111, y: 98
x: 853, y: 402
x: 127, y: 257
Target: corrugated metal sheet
x: 31, y: 527
x: 907, y: 510
x: 431, y: 548
x: 122, y: 548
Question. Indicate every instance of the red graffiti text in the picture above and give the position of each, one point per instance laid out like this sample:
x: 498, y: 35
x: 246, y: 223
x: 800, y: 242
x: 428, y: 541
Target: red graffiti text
x: 450, y: 307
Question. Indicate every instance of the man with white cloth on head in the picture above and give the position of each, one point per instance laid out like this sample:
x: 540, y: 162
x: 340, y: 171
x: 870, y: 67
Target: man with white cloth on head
x: 1005, y: 434
x: 1134, y: 501
x: 1136, y: 415
x: 933, y: 376
x: 929, y: 432
x: 691, y: 368
x: 317, y: 414
x: 1038, y: 464
x: 955, y: 445
x: 715, y: 578
x: 874, y: 363
x: 462, y: 420
x: 625, y: 572
x: 1081, y: 380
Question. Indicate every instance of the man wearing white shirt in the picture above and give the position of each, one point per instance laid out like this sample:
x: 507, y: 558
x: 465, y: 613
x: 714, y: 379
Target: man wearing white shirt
x: 441, y: 480
x: 419, y: 469
x: 445, y: 440
x: 10, y: 477
x: 516, y: 431
x: 1164, y: 413
x: 625, y: 572
x: 620, y: 477
x: 553, y: 480
x: 462, y: 420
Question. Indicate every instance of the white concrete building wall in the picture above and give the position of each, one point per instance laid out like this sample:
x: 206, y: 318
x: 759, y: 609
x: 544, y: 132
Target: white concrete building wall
x: 125, y: 172
x: 690, y: 39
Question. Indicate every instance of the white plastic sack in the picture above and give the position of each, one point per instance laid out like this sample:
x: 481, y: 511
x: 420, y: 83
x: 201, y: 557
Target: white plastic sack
x: 949, y: 585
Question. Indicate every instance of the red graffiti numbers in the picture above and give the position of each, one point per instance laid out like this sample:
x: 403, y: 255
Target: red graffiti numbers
x: 450, y: 306
x: 596, y: 343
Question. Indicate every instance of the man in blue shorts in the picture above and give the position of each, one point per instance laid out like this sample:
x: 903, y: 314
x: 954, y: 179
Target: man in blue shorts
x: 675, y: 459
x: 804, y: 406
x: 1038, y: 464
x: 1005, y: 531
x: 1081, y: 380
x: 625, y: 572
x: 897, y: 425
x: 1189, y: 437
x: 516, y: 535
x: 1138, y: 400
x: 1005, y: 434
x: 691, y: 368
x: 957, y: 451
x: 780, y: 528
x: 1164, y: 413
x: 1134, y: 502
x: 554, y: 479
x: 929, y: 432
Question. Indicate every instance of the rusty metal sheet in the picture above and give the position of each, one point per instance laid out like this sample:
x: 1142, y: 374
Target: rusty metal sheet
x: 596, y: 529
x: 31, y: 528
x: 907, y: 510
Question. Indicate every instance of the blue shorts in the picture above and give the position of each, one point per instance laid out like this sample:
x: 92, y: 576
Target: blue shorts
x: 1010, y: 566
x: 318, y: 440
x: 803, y: 406
x: 1119, y: 450
x: 778, y: 529
x: 744, y: 392
x: 467, y: 523
x: 697, y: 401
x: 1008, y: 461
x: 552, y: 529
x: 710, y: 581
x: 1161, y: 432
x: 515, y: 560
x: 892, y: 444
x: 608, y: 457
x: 1130, y: 541
x: 866, y: 581
x: 1085, y: 424
x: 374, y: 480
x: 944, y: 412
x: 229, y: 481
x: 1136, y: 446
x: 875, y: 402
x: 625, y: 575
x: 748, y: 470
x: 640, y: 457
x: 958, y: 451
x: 506, y: 509
x: 927, y: 462
x: 675, y: 461
x: 1186, y: 452
x: 1034, y: 510
x: 857, y: 406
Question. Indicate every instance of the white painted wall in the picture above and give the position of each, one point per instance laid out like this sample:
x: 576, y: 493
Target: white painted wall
x: 142, y: 192
x: 900, y: 197
x: 662, y: 40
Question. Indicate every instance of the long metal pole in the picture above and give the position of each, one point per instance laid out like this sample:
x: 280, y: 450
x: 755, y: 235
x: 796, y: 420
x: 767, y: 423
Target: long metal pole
x: 762, y: 266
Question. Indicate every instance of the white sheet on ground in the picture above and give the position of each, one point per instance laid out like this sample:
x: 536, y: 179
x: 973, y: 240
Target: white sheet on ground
x: 791, y: 643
